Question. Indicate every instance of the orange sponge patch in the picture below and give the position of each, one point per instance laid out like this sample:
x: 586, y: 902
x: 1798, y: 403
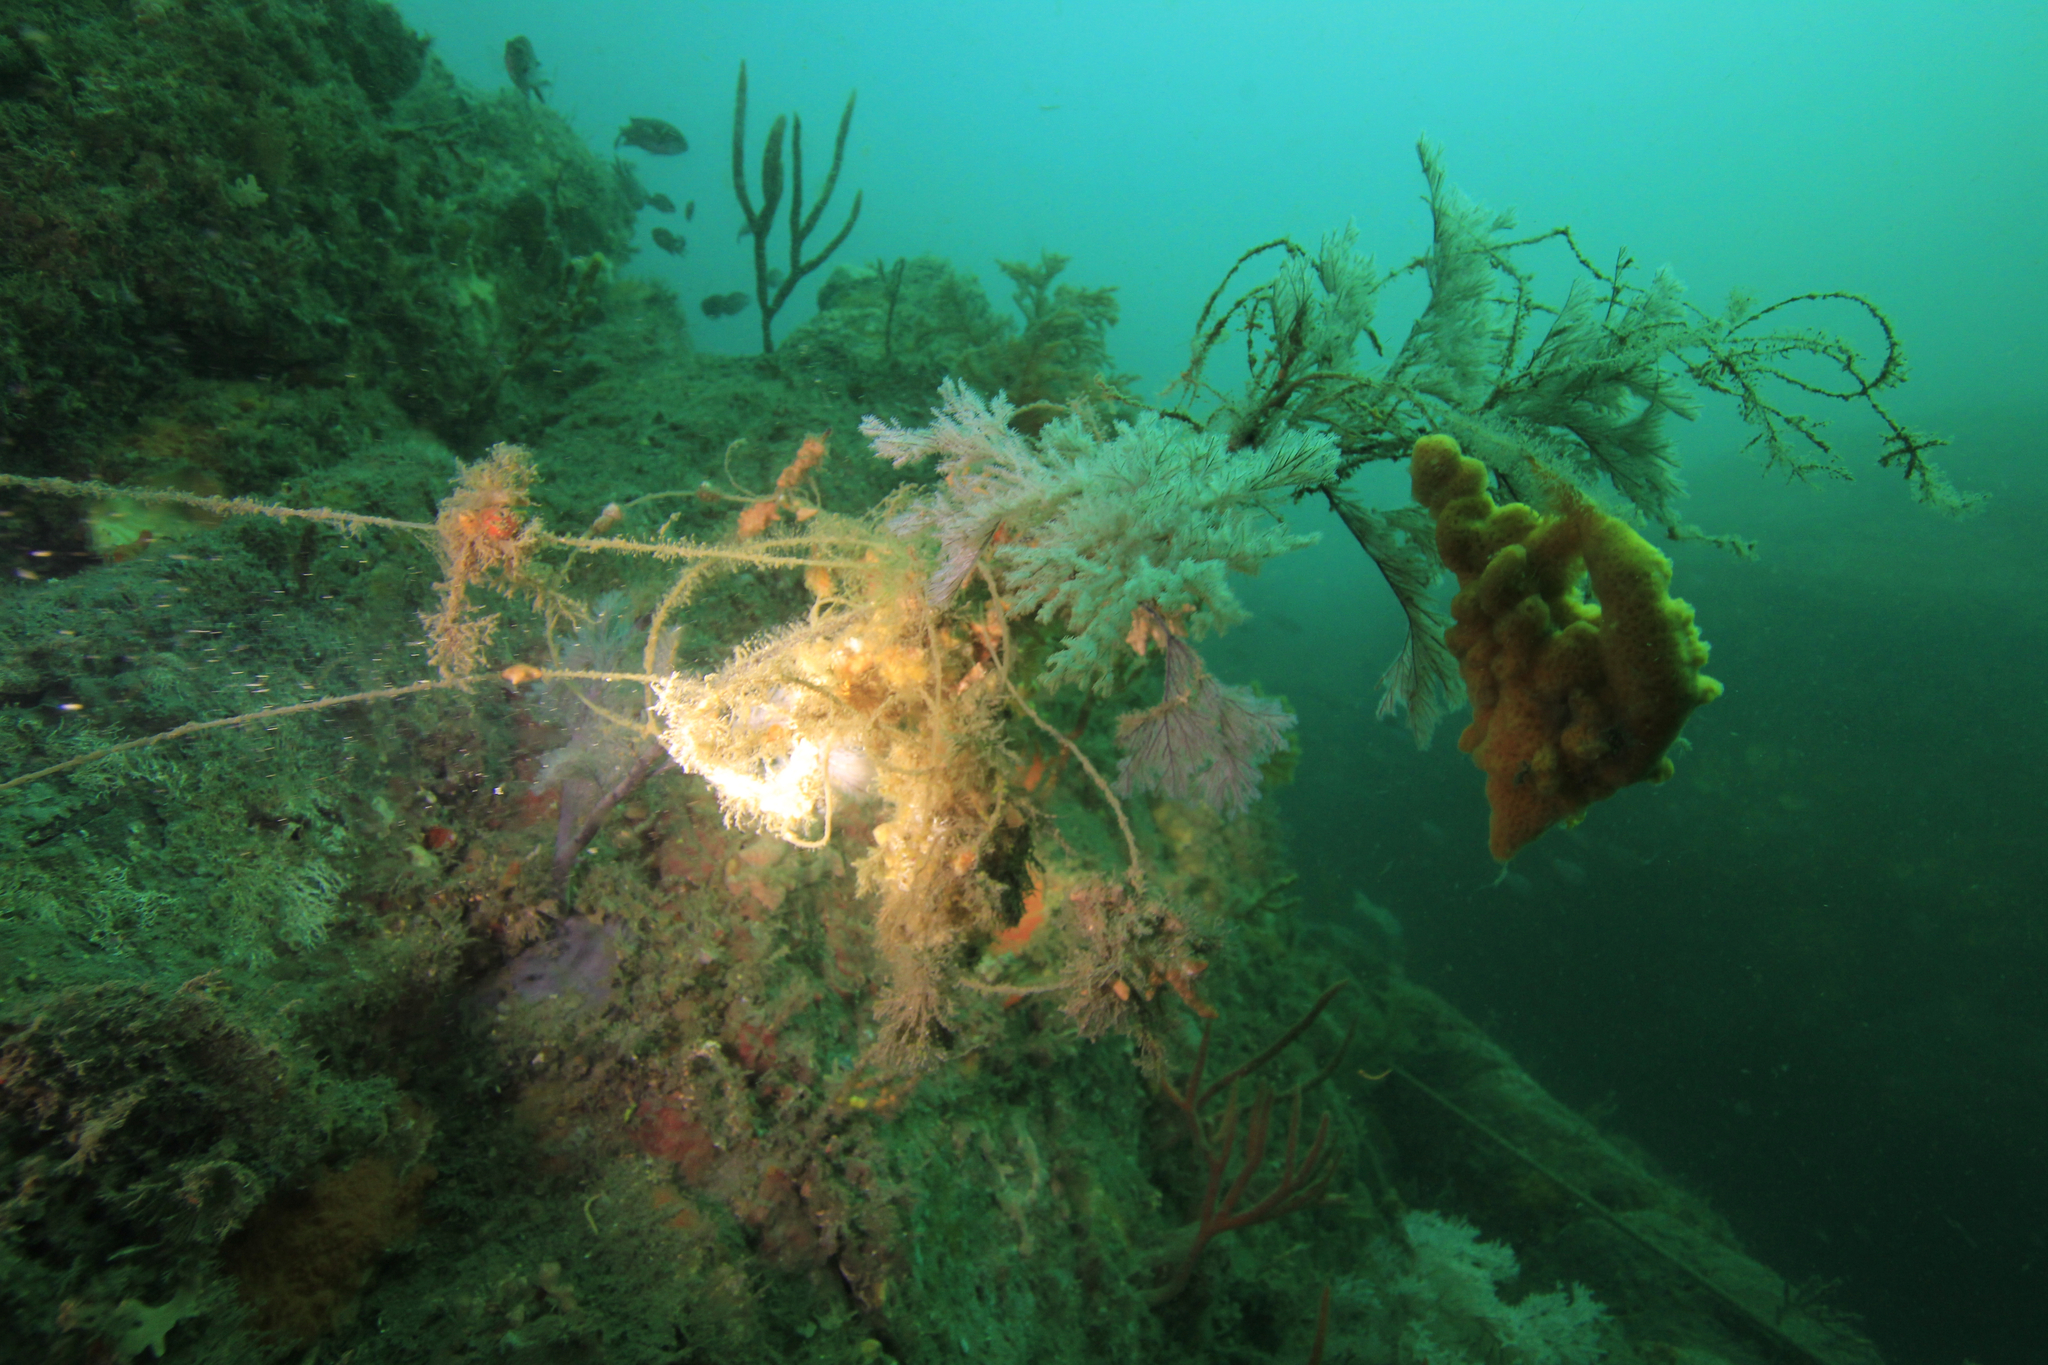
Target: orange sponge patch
x: 1571, y: 701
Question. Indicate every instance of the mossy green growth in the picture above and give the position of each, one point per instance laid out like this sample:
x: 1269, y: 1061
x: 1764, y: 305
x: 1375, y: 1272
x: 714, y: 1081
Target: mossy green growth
x: 280, y: 192
x: 1061, y: 349
x: 142, y: 1123
x: 891, y: 331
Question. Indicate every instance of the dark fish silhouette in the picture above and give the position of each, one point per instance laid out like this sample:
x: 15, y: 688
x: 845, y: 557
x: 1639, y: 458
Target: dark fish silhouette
x: 652, y: 135
x: 668, y: 241
x: 524, y: 68
x: 661, y: 202
x: 689, y: 210
x: 724, y: 305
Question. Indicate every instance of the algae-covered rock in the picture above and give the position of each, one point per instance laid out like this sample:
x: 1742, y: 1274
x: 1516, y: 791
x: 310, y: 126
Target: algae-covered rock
x: 140, y: 1125
x: 279, y: 193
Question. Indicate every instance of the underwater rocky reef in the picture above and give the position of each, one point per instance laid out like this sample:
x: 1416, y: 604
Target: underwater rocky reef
x: 527, y: 840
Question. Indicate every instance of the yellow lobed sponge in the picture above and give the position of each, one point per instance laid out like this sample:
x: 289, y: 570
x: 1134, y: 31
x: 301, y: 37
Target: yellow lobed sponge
x: 1571, y: 701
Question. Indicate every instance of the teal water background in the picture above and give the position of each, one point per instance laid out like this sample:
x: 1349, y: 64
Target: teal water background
x: 1811, y: 975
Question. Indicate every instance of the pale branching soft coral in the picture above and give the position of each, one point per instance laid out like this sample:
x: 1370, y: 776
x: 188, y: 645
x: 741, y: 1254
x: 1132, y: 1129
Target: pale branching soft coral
x: 1117, y: 538
x: 1082, y: 527
x: 992, y: 474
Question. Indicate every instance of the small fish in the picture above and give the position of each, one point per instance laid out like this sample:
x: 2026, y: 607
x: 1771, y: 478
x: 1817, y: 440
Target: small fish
x: 668, y: 241
x: 652, y: 135
x: 724, y: 305
x: 524, y: 68
x: 661, y: 203
x: 689, y: 210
